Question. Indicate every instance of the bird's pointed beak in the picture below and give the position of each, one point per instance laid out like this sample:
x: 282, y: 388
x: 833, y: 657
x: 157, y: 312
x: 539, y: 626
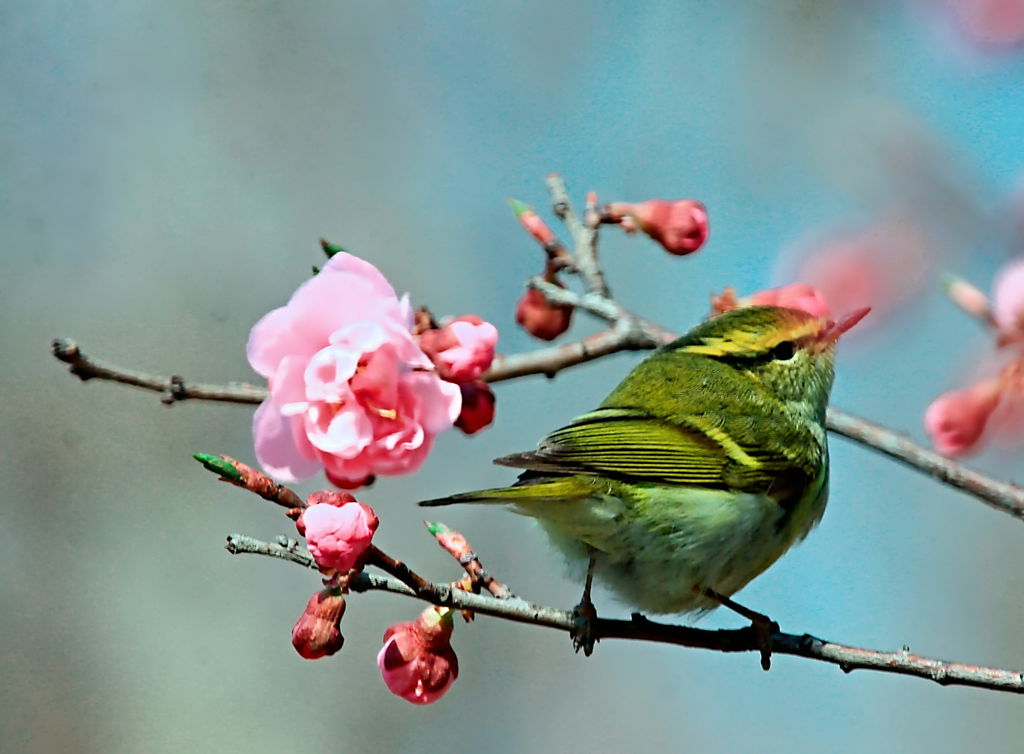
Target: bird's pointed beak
x: 835, y: 329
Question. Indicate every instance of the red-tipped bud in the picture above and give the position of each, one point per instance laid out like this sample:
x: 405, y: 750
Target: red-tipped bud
x: 680, y: 226
x: 540, y: 318
x: 338, y: 537
x: 955, y: 421
x: 317, y: 633
x: 463, y: 349
x: 477, y: 407
x: 532, y: 222
x: 417, y: 661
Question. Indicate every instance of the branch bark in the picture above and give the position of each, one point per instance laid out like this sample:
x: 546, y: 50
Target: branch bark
x: 848, y: 658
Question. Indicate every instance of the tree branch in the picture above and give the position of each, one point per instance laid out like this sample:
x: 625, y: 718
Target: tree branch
x: 629, y: 332
x: 173, y: 388
x: 639, y: 628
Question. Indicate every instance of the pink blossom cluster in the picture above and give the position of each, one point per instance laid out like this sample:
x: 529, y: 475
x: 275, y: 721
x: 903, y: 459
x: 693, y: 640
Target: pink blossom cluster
x: 339, y: 534
x: 960, y: 420
x: 352, y: 389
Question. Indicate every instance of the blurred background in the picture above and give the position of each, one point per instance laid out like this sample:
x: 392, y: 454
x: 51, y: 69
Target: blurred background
x: 167, y: 169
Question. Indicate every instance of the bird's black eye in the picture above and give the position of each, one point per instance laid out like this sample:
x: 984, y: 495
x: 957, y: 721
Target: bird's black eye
x: 784, y: 351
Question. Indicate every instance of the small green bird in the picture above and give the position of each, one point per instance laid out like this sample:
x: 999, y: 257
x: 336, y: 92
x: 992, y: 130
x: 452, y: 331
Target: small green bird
x: 699, y: 470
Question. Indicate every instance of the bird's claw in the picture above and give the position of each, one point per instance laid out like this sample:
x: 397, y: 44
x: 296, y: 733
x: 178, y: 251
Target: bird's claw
x: 583, y: 634
x: 764, y: 628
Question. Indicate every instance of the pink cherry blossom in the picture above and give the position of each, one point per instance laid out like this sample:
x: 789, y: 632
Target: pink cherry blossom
x: 417, y: 661
x: 317, y: 633
x: 1008, y: 299
x: 793, y: 296
x: 955, y: 421
x: 338, y: 536
x: 463, y: 349
x: 350, y: 389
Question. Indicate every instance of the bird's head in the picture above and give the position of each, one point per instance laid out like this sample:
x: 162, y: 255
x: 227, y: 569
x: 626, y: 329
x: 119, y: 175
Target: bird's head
x: 788, y: 351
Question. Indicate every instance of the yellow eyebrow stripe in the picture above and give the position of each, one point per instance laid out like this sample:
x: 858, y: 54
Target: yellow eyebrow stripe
x: 746, y: 342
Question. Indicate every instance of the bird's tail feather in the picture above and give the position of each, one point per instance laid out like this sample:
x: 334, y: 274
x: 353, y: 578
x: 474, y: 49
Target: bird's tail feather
x: 534, y: 491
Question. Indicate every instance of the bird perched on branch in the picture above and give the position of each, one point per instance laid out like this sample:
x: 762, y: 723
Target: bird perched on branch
x: 699, y: 470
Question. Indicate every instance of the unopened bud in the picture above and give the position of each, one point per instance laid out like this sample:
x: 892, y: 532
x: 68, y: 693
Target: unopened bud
x: 477, y: 407
x: 541, y: 318
x: 680, y: 226
x: 317, y: 633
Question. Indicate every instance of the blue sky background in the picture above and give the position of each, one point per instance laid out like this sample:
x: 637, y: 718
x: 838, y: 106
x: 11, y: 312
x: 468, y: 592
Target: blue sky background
x: 167, y: 169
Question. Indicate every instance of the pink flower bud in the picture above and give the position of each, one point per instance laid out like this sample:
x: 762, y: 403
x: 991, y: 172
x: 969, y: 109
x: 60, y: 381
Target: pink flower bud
x: 955, y: 421
x: 317, y: 633
x: 1008, y: 298
x: 534, y: 225
x: 338, y: 537
x: 793, y: 296
x: 680, y: 226
x: 477, y: 407
x: 463, y: 349
x: 417, y: 661
x: 540, y: 318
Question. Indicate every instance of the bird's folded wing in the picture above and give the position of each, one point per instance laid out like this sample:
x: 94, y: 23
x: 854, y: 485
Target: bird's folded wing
x: 627, y: 443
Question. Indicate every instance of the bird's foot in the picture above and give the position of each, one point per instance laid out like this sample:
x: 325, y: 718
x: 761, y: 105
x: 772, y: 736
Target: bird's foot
x: 584, y: 616
x: 583, y: 634
x: 762, y: 626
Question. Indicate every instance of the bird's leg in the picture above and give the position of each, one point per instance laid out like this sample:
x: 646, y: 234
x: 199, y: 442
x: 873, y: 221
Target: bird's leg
x: 584, y: 615
x: 762, y: 625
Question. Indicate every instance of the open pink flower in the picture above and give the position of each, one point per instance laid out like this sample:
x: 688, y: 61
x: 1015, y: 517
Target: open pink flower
x: 338, y: 536
x: 463, y: 349
x: 317, y: 633
x: 793, y: 296
x: 956, y: 420
x: 417, y: 661
x: 350, y: 390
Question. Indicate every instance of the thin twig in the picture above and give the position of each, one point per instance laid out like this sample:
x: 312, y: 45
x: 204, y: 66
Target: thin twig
x: 640, y: 629
x: 629, y: 333
x: 173, y: 388
x: 456, y: 545
x: 584, y: 238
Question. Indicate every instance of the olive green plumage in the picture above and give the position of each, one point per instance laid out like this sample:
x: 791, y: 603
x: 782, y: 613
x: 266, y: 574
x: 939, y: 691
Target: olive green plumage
x: 699, y: 470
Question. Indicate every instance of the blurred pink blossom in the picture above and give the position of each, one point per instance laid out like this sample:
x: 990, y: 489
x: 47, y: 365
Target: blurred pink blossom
x: 338, y: 536
x: 955, y: 421
x: 879, y: 265
x: 417, y: 661
x: 317, y: 633
x: 997, y: 23
x: 793, y: 296
x: 463, y: 349
x: 350, y: 390
x: 1008, y: 299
